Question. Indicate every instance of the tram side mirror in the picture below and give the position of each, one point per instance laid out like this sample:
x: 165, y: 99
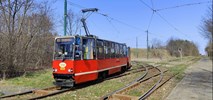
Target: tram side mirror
x: 77, y: 55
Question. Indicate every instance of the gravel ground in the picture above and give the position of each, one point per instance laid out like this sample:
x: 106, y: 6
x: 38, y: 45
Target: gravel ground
x: 196, y: 85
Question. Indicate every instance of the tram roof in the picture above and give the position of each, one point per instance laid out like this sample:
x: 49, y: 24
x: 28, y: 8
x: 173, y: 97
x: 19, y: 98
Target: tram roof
x: 87, y: 36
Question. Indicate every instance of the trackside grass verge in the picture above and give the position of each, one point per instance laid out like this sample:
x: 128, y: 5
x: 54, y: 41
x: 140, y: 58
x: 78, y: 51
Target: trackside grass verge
x: 40, y: 79
x: 180, y: 68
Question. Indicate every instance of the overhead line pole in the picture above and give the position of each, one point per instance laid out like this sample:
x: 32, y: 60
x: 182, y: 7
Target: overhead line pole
x: 65, y: 17
x: 137, y: 46
x: 147, y: 41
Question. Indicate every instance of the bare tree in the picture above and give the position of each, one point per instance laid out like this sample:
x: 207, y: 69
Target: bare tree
x: 207, y: 31
x: 73, y: 23
x: 157, y: 44
x: 207, y: 27
x: 26, y: 35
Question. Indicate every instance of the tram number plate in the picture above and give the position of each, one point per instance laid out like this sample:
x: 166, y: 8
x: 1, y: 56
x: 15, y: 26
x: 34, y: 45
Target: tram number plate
x: 62, y: 68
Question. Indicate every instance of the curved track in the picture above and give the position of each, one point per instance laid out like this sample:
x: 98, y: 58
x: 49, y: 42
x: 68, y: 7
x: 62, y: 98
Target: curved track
x: 146, y: 94
x: 51, y: 91
x: 127, y: 86
x: 135, y: 83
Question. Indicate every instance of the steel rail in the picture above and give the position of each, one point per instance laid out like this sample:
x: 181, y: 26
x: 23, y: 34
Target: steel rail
x: 125, y: 87
x: 51, y: 94
x: 146, y: 94
x: 162, y: 83
x: 69, y: 89
x: 140, y: 81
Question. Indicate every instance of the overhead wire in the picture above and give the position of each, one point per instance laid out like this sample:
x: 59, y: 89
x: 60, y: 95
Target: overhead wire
x: 113, y: 25
x: 183, y: 5
x: 172, y: 26
x: 111, y: 19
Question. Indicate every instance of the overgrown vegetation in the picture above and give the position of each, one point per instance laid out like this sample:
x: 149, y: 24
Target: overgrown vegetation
x: 39, y: 79
x: 26, y: 36
x: 207, y: 32
x: 182, y: 47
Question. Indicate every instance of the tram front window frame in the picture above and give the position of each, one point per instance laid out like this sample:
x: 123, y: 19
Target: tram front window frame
x: 64, y: 48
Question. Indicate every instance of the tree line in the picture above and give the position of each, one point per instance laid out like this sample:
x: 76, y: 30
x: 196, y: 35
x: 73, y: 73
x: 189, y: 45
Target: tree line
x: 207, y: 31
x: 26, y: 36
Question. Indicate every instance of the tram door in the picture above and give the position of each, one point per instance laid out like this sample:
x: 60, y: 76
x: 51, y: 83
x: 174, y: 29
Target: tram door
x: 88, y: 48
x: 129, y: 55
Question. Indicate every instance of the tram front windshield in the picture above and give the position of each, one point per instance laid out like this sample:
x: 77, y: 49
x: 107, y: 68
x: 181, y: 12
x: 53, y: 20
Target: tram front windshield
x: 64, y: 48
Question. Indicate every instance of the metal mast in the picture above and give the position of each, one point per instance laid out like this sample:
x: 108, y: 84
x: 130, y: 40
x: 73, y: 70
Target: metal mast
x: 147, y: 41
x: 65, y: 17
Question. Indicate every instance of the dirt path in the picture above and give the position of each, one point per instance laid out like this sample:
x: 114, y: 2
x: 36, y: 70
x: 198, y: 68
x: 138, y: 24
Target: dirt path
x: 196, y: 85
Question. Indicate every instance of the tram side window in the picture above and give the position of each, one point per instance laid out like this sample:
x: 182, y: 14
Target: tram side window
x: 117, y: 50
x: 107, y: 49
x: 88, y: 48
x: 121, y: 50
x: 112, y: 50
x: 125, y: 51
x: 100, y: 49
x: 78, y: 48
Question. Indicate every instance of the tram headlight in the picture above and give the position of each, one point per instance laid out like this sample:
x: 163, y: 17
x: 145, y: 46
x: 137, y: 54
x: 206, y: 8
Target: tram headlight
x: 55, y: 70
x: 70, y: 70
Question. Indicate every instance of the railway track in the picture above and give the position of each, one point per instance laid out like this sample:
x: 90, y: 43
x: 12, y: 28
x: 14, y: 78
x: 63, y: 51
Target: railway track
x: 51, y: 91
x: 120, y: 93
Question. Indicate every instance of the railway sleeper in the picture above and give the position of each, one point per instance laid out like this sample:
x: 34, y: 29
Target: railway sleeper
x: 41, y: 92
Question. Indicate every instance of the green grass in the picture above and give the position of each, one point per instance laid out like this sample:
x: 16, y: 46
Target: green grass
x: 1, y: 94
x: 38, y: 79
x: 180, y: 68
x: 94, y: 92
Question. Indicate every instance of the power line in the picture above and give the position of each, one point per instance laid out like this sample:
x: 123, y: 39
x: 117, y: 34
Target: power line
x: 183, y: 5
x: 172, y: 26
x: 150, y: 21
x: 176, y: 29
x: 152, y: 4
x: 113, y: 25
x: 76, y: 5
x: 121, y: 22
x: 110, y: 19
x: 146, y: 5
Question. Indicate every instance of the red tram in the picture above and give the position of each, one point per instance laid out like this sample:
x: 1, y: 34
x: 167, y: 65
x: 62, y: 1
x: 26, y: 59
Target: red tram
x: 79, y: 59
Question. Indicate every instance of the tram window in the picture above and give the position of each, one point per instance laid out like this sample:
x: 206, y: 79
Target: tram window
x: 78, y: 48
x: 64, y: 48
x: 125, y: 51
x: 112, y: 50
x: 117, y: 50
x: 100, y: 49
x: 121, y: 50
x: 88, y: 48
x: 109, y: 49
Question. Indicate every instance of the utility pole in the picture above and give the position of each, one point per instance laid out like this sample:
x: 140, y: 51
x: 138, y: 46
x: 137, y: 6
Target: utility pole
x: 147, y: 41
x: 137, y: 46
x: 65, y: 17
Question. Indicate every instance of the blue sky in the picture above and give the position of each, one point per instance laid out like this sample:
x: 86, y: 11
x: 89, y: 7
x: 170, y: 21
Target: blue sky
x: 137, y: 15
